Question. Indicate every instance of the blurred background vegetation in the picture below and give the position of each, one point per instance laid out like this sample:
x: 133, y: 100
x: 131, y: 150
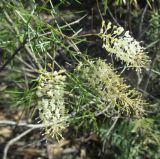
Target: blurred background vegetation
x: 58, y: 35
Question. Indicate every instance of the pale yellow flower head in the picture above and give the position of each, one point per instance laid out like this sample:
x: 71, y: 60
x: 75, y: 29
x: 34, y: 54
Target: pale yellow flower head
x: 116, y: 96
x: 50, y: 92
x: 125, y: 48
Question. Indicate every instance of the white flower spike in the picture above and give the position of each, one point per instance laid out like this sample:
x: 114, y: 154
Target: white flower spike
x: 118, y: 42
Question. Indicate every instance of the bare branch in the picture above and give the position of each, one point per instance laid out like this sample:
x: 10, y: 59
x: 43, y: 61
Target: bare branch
x: 12, y: 141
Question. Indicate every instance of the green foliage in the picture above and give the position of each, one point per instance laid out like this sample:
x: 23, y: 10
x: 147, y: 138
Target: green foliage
x: 105, y: 89
x: 133, y: 139
x: 154, y: 27
x: 115, y: 96
x: 120, y: 3
x: 68, y: 87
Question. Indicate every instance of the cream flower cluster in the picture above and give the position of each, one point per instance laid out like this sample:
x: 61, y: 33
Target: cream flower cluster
x: 116, y: 96
x: 50, y: 92
x: 118, y: 42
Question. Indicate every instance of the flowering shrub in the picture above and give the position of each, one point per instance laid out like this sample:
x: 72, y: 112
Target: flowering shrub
x: 115, y: 95
x: 51, y: 102
x: 90, y: 96
x: 118, y: 42
x: 111, y: 96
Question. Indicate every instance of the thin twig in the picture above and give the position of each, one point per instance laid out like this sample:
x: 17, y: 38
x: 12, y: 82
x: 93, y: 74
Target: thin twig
x: 9, y: 20
x: 154, y: 71
x: 13, y: 123
x: 149, y: 73
x: 114, y: 19
x: 110, y: 130
x: 113, y: 125
x: 72, y: 23
x: 141, y: 20
x: 12, y: 141
x: 129, y: 14
x: 14, y: 54
x: 30, y: 53
x: 99, y: 10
